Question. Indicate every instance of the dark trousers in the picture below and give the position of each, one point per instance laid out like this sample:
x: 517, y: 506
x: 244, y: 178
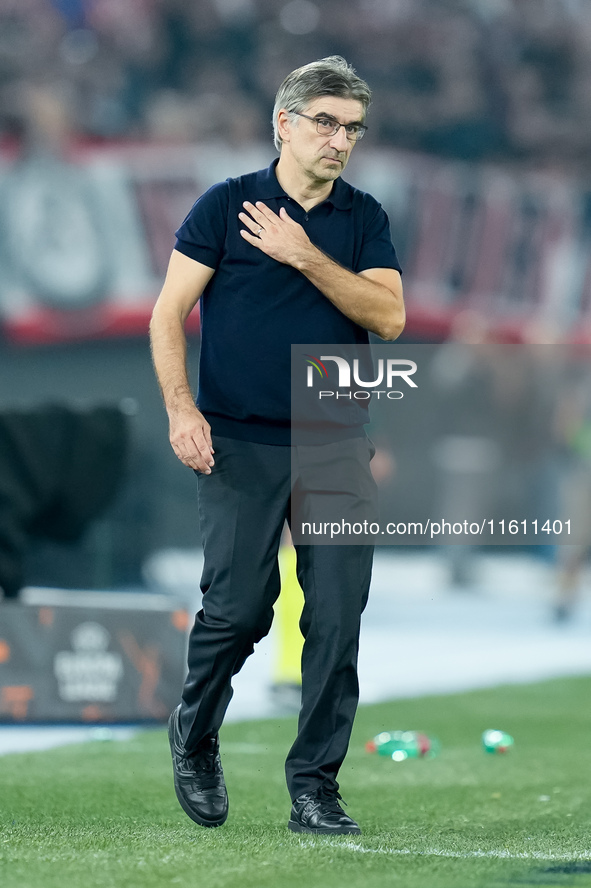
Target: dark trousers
x: 243, y: 505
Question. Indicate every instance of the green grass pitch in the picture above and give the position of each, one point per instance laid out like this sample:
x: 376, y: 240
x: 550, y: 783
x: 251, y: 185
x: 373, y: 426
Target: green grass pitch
x: 104, y: 815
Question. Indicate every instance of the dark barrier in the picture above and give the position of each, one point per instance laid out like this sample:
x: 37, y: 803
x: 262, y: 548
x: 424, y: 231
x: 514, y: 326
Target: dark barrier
x: 91, y: 657
x: 60, y: 467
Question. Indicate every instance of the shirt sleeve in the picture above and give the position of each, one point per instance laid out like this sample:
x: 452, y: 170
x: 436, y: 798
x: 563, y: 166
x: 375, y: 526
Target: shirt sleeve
x: 203, y: 233
x: 377, y: 250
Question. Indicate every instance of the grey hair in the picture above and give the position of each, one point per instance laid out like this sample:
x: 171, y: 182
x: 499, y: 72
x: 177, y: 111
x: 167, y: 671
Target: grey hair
x: 332, y: 76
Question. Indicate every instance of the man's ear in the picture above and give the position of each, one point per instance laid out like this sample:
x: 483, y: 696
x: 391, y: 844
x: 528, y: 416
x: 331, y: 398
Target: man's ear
x: 284, y: 124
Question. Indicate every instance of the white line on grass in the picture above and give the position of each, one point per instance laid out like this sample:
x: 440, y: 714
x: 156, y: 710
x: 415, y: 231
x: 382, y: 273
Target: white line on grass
x: 439, y: 852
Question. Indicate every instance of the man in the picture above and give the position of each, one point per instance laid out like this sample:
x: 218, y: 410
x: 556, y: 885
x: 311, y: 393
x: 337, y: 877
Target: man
x: 291, y: 254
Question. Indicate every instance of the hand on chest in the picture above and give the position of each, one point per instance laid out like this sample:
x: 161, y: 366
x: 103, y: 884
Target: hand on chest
x: 276, y: 232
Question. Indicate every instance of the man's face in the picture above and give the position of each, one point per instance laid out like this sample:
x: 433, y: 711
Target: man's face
x: 323, y: 157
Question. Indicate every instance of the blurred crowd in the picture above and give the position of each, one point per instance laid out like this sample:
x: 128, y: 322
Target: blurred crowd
x: 474, y: 79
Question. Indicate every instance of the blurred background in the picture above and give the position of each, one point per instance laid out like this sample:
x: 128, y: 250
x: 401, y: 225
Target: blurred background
x: 115, y: 116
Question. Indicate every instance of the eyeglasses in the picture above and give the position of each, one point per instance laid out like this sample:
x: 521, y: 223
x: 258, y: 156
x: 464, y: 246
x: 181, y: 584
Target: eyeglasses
x: 327, y: 126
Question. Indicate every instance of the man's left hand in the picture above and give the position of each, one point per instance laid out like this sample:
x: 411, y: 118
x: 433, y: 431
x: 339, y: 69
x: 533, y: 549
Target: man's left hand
x: 279, y: 236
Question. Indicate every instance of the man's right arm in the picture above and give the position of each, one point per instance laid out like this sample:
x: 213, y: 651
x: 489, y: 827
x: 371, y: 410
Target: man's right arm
x: 189, y: 431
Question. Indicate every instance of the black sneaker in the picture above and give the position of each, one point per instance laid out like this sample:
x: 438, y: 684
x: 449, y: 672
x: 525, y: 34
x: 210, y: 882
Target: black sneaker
x: 319, y: 812
x: 198, y: 777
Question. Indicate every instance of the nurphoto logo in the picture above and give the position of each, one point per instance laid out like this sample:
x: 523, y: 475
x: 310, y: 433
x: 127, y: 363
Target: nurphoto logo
x: 390, y: 371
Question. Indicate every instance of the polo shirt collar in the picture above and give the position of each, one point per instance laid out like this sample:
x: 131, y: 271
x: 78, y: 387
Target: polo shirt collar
x: 268, y: 186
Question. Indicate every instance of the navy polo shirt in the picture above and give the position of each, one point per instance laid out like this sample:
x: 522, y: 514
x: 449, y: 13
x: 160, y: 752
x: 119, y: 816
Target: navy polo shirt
x: 254, y: 308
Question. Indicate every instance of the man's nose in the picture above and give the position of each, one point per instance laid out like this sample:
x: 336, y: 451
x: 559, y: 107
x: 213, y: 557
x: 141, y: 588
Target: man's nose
x: 339, y: 141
